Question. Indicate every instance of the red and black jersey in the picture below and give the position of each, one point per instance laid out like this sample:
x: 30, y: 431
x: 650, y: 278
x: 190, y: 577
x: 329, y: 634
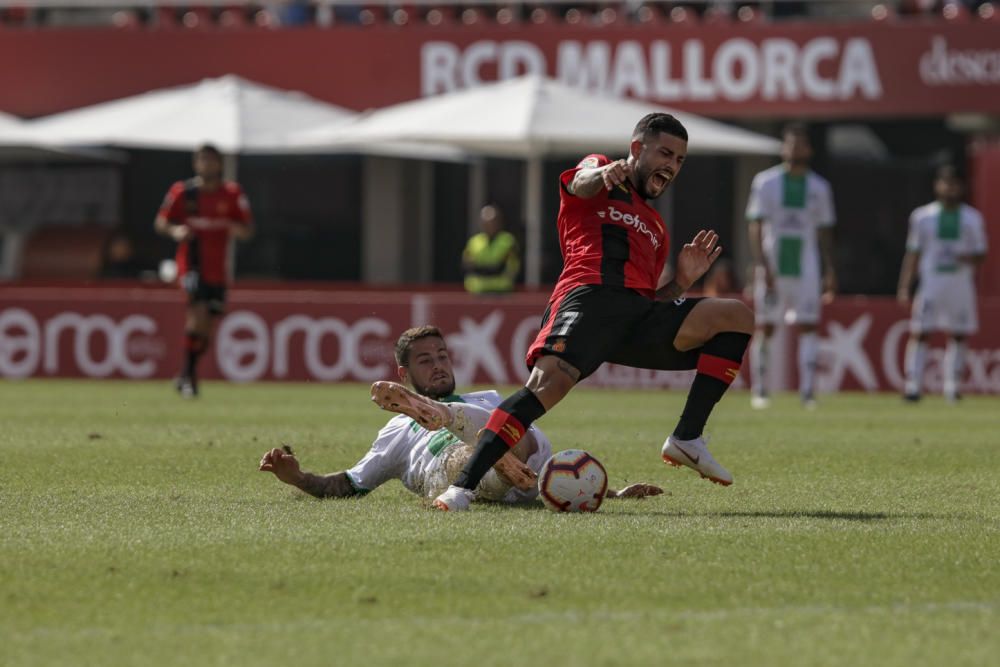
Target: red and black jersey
x: 209, y: 215
x: 613, y: 238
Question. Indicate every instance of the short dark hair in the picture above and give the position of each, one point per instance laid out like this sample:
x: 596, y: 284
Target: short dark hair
x: 948, y: 172
x: 654, y: 123
x: 211, y: 149
x: 408, y: 337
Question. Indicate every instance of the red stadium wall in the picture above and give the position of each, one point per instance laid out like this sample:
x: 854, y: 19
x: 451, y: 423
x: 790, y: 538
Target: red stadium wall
x: 343, y: 335
x: 798, y: 69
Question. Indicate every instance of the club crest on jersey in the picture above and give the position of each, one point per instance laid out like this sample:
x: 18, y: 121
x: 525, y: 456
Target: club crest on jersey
x: 633, y: 221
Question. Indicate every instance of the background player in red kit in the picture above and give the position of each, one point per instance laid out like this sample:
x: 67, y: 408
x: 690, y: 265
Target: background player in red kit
x: 609, y: 306
x: 203, y: 214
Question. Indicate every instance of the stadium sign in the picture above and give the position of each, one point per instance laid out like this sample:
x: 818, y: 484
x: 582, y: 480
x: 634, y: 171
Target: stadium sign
x: 944, y: 66
x: 98, y: 345
x: 800, y: 69
x: 247, y: 348
x: 776, y: 68
x: 282, y: 335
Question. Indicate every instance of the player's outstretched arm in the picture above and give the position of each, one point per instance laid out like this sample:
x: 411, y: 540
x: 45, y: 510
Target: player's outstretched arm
x: 635, y: 491
x: 284, y: 465
x: 589, y: 182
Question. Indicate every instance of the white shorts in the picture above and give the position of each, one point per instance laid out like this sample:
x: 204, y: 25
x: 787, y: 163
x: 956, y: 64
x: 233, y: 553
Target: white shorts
x: 948, y: 307
x: 794, y: 300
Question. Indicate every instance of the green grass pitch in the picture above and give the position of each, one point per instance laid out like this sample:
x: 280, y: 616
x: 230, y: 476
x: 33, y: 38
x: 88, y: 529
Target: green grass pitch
x: 135, y: 530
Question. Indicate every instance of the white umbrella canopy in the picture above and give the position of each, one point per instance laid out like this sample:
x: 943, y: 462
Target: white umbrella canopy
x: 237, y: 115
x: 20, y: 143
x: 525, y: 117
x: 9, y: 122
x: 528, y: 117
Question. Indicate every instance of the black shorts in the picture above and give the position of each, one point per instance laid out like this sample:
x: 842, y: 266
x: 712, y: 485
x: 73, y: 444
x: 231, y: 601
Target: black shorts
x: 214, y: 296
x: 597, y: 323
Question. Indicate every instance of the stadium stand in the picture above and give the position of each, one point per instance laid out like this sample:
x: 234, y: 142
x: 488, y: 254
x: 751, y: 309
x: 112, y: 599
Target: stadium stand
x: 170, y: 15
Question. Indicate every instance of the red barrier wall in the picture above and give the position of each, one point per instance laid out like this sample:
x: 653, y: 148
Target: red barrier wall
x: 795, y: 69
x: 340, y: 335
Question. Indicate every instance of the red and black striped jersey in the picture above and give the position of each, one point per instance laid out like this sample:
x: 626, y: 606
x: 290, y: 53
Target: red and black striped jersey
x: 613, y: 238
x: 209, y: 215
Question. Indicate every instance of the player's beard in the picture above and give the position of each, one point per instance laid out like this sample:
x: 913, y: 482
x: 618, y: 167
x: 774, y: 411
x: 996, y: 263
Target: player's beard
x: 642, y: 175
x: 435, y: 392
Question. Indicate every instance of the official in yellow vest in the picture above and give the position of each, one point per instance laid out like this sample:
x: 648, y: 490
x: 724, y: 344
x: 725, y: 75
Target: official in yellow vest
x: 490, y: 258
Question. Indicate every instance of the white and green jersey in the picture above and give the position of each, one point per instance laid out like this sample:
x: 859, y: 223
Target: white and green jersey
x: 793, y: 209
x: 943, y: 235
x: 406, y: 451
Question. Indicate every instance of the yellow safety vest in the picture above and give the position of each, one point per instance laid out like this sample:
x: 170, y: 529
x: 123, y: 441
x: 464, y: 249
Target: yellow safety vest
x: 495, y: 263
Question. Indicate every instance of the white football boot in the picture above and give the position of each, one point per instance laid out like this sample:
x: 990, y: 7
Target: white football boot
x: 695, y: 455
x: 760, y: 402
x: 454, y: 499
x: 427, y: 412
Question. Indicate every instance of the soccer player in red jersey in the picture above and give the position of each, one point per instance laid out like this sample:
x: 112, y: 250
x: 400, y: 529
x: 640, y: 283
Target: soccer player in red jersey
x: 609, y: 306
x: 203, y: 214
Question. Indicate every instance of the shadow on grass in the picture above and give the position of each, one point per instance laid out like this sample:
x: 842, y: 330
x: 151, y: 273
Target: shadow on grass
x: 632, y: 507
x: 861, y: 517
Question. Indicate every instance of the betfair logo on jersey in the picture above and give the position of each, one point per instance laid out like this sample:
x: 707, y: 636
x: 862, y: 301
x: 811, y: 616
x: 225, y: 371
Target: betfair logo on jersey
x: 633, y: 221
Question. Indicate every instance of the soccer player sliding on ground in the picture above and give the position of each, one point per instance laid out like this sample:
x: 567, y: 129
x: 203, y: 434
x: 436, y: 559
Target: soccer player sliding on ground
x: 426, y: 460
x: 608, y: 306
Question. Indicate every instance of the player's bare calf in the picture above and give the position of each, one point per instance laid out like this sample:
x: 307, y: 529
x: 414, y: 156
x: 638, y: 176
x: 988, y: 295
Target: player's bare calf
x: 395, y: 397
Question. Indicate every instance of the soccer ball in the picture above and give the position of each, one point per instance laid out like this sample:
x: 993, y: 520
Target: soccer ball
x: 572, y: 481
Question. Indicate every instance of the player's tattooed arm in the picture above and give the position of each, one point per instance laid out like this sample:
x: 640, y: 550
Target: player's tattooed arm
x: 670, y: 291
x: 589, y: 182
x: 282, y: 462
x: 334, y: 485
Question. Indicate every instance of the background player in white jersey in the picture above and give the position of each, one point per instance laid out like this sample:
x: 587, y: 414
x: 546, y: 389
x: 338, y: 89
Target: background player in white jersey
x: 426, y: 461
x: 791, y: 216
x: 947, y: 240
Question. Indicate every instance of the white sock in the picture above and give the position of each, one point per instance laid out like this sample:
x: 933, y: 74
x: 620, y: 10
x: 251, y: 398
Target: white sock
x: 759, y: 348
x: 954, y: 364
x: 808, y: 353
x: 467, y: 420
x: 916, y: 356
